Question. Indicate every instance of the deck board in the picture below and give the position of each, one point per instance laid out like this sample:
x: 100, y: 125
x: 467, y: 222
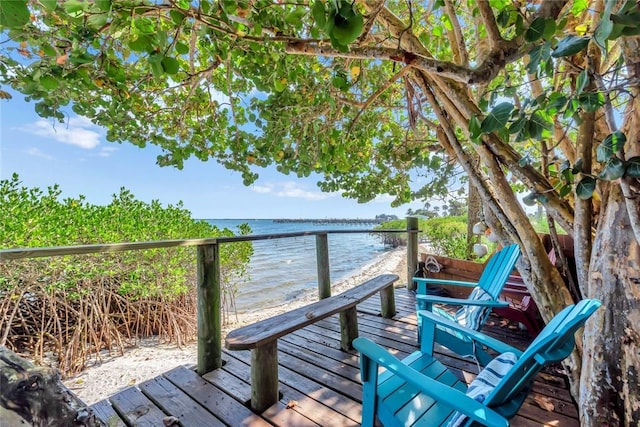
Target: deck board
x: 319, y: 383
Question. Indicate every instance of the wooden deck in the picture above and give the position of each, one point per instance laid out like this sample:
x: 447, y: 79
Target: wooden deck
x: 319, y: 383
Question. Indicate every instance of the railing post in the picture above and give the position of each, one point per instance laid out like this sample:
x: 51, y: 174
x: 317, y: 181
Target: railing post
x: 209, y: 316
x: 412, y: 250
x: 322, y: 260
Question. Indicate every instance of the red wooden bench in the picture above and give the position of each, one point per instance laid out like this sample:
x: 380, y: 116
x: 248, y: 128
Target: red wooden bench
x: 521, y: 308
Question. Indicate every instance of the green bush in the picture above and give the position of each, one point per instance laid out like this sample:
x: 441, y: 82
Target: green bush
x: 78, y: 305
x: 446, y: 235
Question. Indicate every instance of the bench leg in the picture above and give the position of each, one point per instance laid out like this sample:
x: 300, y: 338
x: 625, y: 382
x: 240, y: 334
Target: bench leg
x: 388, y: 302
x: 348, y: 328
x: 264, y: 376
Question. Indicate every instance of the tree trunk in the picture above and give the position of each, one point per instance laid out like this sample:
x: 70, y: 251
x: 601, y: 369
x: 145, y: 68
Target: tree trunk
x: 474, y: 215
x: 609, y: 390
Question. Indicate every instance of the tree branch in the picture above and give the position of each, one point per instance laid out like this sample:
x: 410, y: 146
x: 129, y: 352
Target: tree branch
x: 486, y: 72
x: 495, y: 39
x: 458, y: 38
x: 376, y: 94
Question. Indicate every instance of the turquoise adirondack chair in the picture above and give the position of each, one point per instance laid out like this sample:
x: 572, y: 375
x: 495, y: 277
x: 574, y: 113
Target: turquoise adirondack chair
x: 476, y: 308
x: 420, y: 391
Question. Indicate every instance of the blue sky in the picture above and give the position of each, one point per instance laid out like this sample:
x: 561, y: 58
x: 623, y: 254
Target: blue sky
x: 77, y: 156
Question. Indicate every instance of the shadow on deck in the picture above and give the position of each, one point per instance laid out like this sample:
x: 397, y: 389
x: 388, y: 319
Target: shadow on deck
x: 319, y: 383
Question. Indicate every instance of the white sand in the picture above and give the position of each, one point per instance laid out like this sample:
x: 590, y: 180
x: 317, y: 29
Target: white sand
x: 151, y: 358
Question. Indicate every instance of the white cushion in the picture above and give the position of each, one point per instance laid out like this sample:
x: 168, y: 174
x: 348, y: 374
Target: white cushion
x: 471, y: 315
x: 485, y: 382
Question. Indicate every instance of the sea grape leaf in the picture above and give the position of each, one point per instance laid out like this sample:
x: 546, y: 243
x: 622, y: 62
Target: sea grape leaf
x: 633, y: 167
x: 319, y: 14
x: 170, y: 65
x: 14, y: 14
x: 570, y: 45
x: 613, y: 170
x: 497, y: 118
x: 582, y: 81
x: 535, y: 30
x: 610, y: 145
x: 586, y: 187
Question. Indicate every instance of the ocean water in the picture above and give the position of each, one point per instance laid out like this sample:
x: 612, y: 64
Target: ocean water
x: 285, y: 269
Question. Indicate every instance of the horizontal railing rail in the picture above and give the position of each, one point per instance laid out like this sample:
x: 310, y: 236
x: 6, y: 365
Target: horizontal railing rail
x: 40, y: 252
x: 208, y: 272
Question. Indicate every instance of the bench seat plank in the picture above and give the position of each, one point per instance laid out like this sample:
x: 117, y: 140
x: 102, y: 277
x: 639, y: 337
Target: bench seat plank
x: 252, y: 336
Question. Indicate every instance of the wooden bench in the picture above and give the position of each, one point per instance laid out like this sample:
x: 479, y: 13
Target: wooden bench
x: 521, y: 308
x: 261, y: 337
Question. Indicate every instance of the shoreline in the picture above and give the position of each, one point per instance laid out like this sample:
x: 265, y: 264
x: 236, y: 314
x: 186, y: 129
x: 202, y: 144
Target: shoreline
x: 150, y: 357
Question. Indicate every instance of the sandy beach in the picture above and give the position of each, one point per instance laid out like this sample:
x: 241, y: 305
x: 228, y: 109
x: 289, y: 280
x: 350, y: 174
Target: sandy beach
x: 150, y: 358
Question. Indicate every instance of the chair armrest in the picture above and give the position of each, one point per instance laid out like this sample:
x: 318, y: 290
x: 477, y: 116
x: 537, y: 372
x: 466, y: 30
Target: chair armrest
x: 433, y: 320
x: 434, y: 281
x: 438, y: 391
x: 456, y: 301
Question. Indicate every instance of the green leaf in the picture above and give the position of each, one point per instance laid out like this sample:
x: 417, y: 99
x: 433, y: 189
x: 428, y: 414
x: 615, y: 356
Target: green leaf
x: 14, y: 14
x: 537, y: 124
x: 49, y: 82
x: 474, y: 127
x: 182, y: 48
x: 278, y: 85
x: 613, y: 170
x: 577, y: 167
x: 497, y: 118
x: 591, y: 101
x: 565, y: 190
x: 97, y: 20
x: 503, y: 17
x: 156, y: 68
x: 582, y: 81
x: 319, y: 14
x: 535, y: 30
x: 602, y: 33
x: 586, y: 187
x: 570, y: 45
x: 538, y: 54
x: 579, y: 6
x: 610, y: 145
x: 517, y: 125
x: 170, y: 65
x: 347, y: 25
x: 73, y: 6
x: 549, y: 28
x: 633, y: 167
x: 49, y: 5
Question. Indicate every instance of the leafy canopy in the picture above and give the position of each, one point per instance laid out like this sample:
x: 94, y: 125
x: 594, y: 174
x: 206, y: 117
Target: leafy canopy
x: 334, y: 87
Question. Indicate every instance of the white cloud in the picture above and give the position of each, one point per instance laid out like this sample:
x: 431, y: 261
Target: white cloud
x: 292, y: 190
x: 78, y: 131
x: 383, y: 198
x: 36, y: 152
x: 107, y: 151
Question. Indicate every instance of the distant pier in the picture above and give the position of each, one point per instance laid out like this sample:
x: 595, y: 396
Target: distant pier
x: 332, y: 220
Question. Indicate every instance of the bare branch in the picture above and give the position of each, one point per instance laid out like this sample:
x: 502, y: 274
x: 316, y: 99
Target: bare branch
x: 376, y: 94
x: 495, y: 39
x: 489, y: 69
x: 458, y: 38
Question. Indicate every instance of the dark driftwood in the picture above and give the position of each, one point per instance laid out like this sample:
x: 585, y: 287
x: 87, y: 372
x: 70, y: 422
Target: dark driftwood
x: 32, y: 395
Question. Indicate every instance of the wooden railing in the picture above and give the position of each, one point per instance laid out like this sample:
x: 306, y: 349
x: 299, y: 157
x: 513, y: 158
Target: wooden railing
x: 209, y: 278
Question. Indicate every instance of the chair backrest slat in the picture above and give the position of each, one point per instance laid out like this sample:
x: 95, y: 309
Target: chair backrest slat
x: 553, y: 344
x: 498, y: 269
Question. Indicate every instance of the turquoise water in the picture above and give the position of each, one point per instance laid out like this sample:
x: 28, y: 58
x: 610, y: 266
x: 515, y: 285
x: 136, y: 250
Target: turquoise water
x: 285, y: 269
